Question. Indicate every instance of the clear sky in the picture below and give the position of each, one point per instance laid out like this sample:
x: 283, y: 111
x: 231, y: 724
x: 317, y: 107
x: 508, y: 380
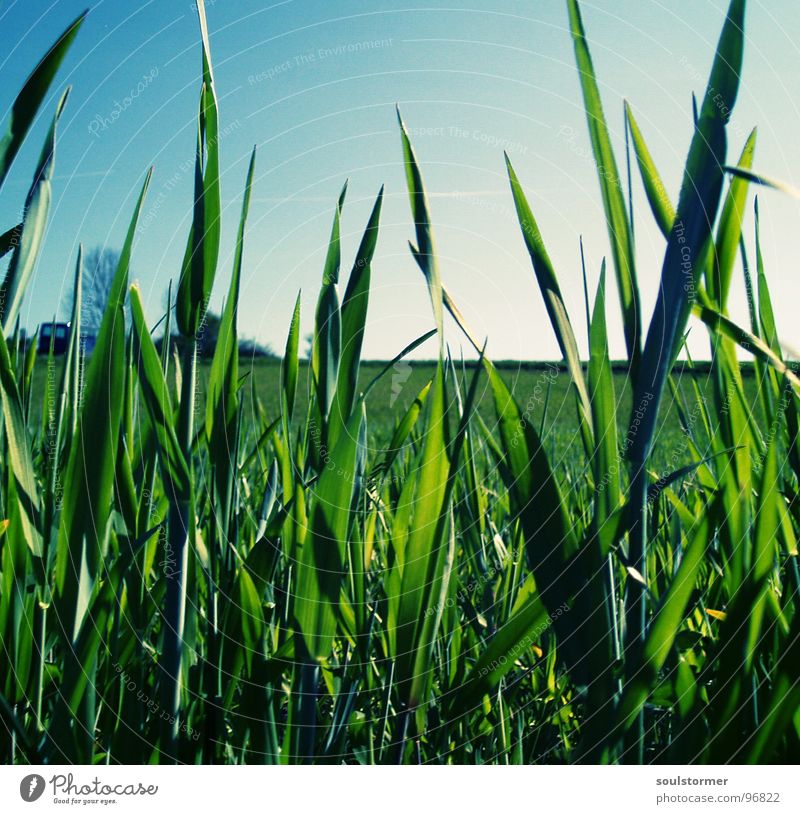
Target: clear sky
x: 314, y: 84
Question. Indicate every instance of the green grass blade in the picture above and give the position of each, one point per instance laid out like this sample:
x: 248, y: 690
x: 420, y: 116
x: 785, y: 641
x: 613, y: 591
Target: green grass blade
x: 729, y: 231
x: 37, y: 208
x: 403, y: 429
x: 723, y: 83
x: 24, y: 513
x: 27, y: 103
x: 222, y: 399
x: 551, y: 293
x: 89, y: 475
x: 697, y: 207
x: 72, y: 370
x: 354, y: 313
x: 424, y: 252
x: 766, y: 314
x: 158, y: 404
x: 333, y: 257
x: 290, y: 363
x: 668, y: 619
x: 321, y: 565
x: 619, y: 228
x: 202, y: 250
x: 746, y: 174
x: 537, y: 499
x: 685, y: 258
x: 420, y: 340
x: 745, y: 340
x: 422, y: 547
x: 606, y: 459
x: 429, y: 552
x: 657, y: 197
x: 327, y: 348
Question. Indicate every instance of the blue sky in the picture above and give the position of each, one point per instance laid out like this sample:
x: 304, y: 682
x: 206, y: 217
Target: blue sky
x: 314, y: 84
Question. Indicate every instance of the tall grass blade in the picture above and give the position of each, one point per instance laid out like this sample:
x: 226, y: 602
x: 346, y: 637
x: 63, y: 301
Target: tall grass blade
x: 30, y: 98
x: 37, y: 208
x: 554, y: 302
x: 202, y: 250
x: 619, y: 227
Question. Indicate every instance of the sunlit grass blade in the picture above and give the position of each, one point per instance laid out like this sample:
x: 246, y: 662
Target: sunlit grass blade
x: 553, y: 300
x: 729, y: 231
x: 24, y: 511
x: 619, y: 228
x: 321, y: 565
x: 606, y: 457
x: 746, y: 174
x: 222, y: 397
x: 424, y: 252
x: 745, y: 340
x: 354, y: 313
x: 290, y: 364
x: 37, y: 208
x: 657, y: 197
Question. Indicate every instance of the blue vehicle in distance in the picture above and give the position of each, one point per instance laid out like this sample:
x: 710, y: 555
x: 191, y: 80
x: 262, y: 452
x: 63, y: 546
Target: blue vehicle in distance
x: 55, y: 332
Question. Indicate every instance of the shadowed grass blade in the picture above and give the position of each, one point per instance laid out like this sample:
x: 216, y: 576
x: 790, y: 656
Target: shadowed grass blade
x: 30, y: 97
x: 89, y: 476
x: 202, y: 250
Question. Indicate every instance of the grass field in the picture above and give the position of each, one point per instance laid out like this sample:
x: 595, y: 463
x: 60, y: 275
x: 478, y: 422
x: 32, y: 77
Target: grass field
x: 336, y: 561
x: 542, y: 388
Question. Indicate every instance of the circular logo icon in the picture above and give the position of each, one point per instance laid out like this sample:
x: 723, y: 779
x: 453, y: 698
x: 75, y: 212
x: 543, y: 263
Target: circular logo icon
x: 31, y: 788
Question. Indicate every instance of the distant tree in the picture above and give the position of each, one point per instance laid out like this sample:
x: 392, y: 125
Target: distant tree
x: 250, y: 348
x: 207, y: 337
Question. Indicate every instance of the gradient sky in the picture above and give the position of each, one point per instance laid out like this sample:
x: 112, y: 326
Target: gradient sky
x: 314, y: 84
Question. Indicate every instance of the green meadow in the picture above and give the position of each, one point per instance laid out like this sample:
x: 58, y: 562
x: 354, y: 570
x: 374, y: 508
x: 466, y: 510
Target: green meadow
x: 334, y: 560
x: 543, y: 389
